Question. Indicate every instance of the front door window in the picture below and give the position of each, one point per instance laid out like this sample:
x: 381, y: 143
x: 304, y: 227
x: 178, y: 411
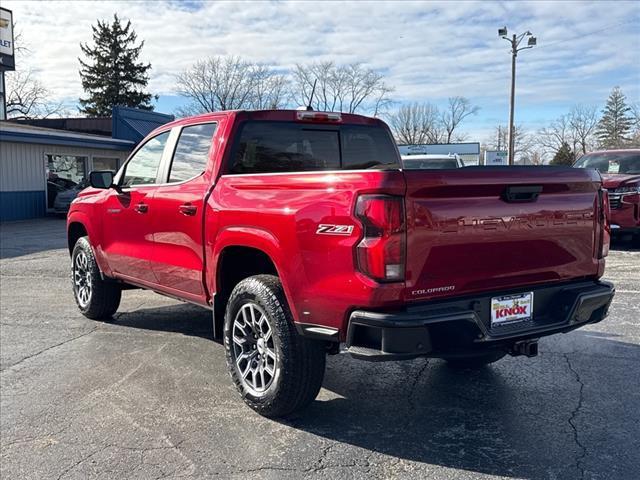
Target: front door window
x: 142, y: 168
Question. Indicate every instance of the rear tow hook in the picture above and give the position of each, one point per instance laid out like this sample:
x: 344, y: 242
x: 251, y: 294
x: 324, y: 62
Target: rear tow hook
x: 528, y: 348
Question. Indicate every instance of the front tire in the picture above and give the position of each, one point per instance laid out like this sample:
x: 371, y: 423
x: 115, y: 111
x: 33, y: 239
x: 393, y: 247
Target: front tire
x: 97, y: 299
x: 276, y: 371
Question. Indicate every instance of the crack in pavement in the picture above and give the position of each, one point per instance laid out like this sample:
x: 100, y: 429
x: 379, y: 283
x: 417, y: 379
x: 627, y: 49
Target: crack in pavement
x: 574, y: 414
x: 141, y: 450
x: 319, y: 465
x: 49, y: 348
x: 37, y: 438
x: 79, y: 462
x: 415, y: 384
x: 599, y: 355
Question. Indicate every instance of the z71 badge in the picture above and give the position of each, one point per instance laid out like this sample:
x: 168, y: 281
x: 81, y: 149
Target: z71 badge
x: 325, y: 229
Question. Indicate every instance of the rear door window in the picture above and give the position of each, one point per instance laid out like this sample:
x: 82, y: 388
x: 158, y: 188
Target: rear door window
x: 192, y: 152
x: 274, y: 147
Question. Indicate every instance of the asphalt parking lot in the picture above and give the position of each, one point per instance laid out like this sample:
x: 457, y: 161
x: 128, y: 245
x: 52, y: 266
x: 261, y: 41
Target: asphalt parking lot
x: 148, y: 396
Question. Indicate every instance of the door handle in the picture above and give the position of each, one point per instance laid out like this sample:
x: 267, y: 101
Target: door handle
x: 141, y: 208
x: 187, y: 209
x: 521, y: 193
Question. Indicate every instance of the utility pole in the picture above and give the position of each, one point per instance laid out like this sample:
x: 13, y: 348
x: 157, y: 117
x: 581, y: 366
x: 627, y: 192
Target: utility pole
x: 515, y: 41
x: 512, y: 100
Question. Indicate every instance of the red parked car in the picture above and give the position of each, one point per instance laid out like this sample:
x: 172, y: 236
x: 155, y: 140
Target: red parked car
x: 620, y: 170
x: 303, y: 235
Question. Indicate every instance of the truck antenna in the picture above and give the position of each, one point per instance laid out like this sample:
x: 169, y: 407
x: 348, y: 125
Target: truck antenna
x: 313, y: 91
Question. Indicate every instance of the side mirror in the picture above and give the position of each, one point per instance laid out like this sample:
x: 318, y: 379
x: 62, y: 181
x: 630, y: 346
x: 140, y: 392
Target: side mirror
x: 101, y: 179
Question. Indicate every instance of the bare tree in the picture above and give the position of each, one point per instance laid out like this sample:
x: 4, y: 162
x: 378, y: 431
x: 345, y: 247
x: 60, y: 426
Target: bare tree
x: 270, y: 89
x: 416, y: 123
x: 363, y: 85
x: 557, y: 134
x: 329, y: 92
x: 635, y: 115
x: 216, y: 84
x: 229, y: 83
x: 381, y: 101
x: 457, y: 110
x: 425, y: 123
x: 347, y: 88
x: 524, y: 144
x: 575, y: 129
x: 26, y: 96
x: 583, y: 120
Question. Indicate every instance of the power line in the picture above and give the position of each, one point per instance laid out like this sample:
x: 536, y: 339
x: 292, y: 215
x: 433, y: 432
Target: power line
x: 565, y: 40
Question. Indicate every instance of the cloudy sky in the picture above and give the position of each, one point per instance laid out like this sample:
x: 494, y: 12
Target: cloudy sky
x: 427, y: 51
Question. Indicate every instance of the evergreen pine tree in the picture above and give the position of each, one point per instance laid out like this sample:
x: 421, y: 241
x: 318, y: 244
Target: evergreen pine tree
x: 615, y: 124
x: 113, y: 75
x: 564, y: 156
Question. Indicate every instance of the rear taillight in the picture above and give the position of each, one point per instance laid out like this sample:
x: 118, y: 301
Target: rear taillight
x: 605, y: 226
x: 381, y: 252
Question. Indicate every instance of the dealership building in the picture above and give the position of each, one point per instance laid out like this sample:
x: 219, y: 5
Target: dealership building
x: 37, y: 161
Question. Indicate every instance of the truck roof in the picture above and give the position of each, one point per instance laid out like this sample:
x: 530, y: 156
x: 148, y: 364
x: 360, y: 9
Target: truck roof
x: 269, y: 115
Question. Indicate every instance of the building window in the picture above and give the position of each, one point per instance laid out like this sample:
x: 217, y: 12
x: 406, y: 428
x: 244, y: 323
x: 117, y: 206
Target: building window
x: 106, y: 163
x: 64, y: 172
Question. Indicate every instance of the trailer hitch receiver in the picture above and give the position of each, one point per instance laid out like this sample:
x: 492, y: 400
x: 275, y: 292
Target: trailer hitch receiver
x: 528, y: 348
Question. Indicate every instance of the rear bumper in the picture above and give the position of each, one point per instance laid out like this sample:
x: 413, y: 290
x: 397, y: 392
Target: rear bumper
x: 462, y: 326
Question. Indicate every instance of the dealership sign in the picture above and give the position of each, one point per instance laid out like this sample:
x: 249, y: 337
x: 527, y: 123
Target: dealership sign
x: 7, y: 60
x: 492, y: 157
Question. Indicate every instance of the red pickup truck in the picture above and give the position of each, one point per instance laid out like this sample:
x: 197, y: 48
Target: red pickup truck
x: 304, y: 236
x: 620, y: 170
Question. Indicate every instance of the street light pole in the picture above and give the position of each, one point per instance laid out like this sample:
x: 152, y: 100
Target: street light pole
x: 515, y: 43
x: 512, y: 102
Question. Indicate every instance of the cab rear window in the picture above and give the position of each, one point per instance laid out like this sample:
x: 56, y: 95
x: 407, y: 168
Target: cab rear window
x: 278, y: 147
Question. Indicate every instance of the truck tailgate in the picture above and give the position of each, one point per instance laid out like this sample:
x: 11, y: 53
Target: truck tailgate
x: 485, y: 228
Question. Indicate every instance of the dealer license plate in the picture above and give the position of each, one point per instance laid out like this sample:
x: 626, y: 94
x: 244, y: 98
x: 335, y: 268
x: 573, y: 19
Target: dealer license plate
x: 511, y: 308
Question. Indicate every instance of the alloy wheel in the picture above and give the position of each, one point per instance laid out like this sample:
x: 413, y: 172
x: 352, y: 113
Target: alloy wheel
x: 254, y: 349
x: 82, y: 280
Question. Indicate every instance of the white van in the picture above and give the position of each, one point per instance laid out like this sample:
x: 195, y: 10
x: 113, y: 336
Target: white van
x: 431, y: 161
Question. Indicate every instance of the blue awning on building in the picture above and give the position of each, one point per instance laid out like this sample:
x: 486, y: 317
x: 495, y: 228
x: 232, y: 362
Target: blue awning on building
x: 134, y: 124
x: 13, y: 132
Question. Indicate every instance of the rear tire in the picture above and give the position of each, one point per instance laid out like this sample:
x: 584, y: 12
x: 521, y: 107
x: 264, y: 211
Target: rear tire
x: 276, y: 371
x: 97, y: 299
x: 474, y: 361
